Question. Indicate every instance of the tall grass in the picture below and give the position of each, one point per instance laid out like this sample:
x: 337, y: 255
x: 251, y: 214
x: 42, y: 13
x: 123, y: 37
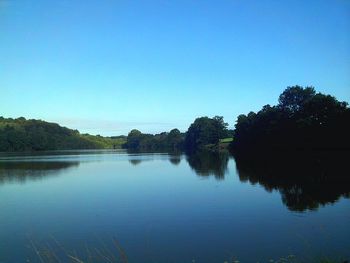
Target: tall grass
x: 53, y: 251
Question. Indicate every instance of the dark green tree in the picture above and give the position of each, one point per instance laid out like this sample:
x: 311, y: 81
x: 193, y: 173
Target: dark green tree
x: 164, y: 141
x: 175, y: 139
x: 32, y: 135
x: 205, y: 131
x: 134, y: 139
x: 293, y: 98
x: 303, y: 119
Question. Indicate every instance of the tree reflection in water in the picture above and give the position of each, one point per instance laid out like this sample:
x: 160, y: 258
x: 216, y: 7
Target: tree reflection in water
x: 135, y: 161
x: 21, y: 171
x: 207, y: 163
x: 305, y: 180
x: 175, y: 158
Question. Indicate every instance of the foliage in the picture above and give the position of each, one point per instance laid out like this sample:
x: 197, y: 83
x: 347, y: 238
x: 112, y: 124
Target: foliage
x: 294, y: 147
x: 36, y: 135
x: 205, y: 131
x: 114, y: 142
x: 172, y: 140
x: 293, y: 98
x: 302, y: 119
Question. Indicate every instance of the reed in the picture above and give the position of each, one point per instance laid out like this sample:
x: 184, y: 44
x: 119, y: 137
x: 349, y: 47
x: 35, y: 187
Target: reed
x: 53, y: 251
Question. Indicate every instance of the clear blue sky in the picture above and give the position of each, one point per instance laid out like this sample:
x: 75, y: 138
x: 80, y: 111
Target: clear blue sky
x: 106, y: 67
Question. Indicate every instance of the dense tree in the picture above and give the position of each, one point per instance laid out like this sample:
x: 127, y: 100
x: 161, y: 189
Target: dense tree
x: 175, y: 139
x: 134, y: 138
x: 205, y: 131
x: 302, y: 119
x: 294, y: 98
x: 293, y: 147
x: 166, y: 141
x: 32, y: 135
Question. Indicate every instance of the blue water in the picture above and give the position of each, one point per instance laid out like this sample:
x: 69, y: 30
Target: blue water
x: 158, y: 207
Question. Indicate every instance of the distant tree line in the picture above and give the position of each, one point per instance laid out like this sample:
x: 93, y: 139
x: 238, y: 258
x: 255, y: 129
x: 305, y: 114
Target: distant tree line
x: 203, y: 133
x: 172, y: 140
x: 302, y: 119
x: 35, y: 135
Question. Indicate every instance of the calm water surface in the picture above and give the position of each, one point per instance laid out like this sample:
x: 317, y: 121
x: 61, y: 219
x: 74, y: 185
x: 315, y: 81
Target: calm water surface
x: 160, y: 208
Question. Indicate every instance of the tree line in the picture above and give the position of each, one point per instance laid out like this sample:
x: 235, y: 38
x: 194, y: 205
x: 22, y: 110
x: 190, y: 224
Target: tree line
x: 172, y: 140
x: 203, y: 133
x: 36, y: 135
x: 302, y: 119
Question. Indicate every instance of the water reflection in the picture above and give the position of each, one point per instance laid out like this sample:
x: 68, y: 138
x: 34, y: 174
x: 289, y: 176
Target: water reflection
x: 208, y: 163
x: 175, y: 158
x: 135, y: 161
x: 305, y: 181
x: 137, y: 157
x: 21, y: 171
x: 57, y: 154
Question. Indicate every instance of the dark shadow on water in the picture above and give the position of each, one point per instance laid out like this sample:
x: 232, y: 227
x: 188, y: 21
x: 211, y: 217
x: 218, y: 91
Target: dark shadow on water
x: 136, y: 157
x: 23, y: 171
x: 175, y: 158
x: 135, y: 161
x: 305, y: 180
x: 209, y: 163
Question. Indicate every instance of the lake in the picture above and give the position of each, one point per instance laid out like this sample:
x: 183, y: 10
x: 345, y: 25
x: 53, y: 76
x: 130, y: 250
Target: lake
x: 160, y: 207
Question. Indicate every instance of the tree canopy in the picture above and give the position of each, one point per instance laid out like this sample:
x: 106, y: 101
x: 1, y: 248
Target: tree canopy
x: 205, y: 131
x: 294, y: 98
x: 36, y: 135
x: 170, y: 141
x: 303, y: 119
